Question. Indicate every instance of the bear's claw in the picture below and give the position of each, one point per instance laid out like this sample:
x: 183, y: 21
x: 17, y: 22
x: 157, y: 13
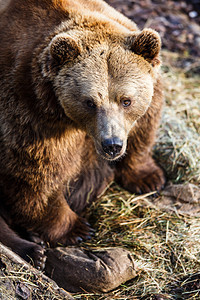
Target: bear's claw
x: 40, y: 259
x: 80, y: 232
x: 33, y: 253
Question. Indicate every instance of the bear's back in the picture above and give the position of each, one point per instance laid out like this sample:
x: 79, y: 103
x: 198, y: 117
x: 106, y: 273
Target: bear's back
x: 25, y: 24
x: 46, y: 13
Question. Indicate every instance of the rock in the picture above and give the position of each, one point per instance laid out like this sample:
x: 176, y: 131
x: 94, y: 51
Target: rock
x: 181, y: 198
x: 23, y: 291
x: 187, y: 192
x: 78, y: 270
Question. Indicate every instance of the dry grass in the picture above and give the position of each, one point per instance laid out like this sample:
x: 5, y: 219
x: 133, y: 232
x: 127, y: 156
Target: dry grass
x: 165, y: 246
x: 177, y: 149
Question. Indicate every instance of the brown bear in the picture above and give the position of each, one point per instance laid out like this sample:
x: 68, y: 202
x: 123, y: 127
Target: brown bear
x: 80, y: 102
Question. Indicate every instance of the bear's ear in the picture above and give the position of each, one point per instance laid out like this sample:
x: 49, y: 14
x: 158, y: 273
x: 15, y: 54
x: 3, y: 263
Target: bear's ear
x: 147, y: 44
x: 63, y: 47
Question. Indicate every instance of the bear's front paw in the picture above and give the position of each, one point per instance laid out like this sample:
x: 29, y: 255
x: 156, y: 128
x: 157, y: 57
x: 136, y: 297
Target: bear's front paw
x: 145, y: 181
x: 80, y: 232
x: 39, y: 257
x: 32, y: 253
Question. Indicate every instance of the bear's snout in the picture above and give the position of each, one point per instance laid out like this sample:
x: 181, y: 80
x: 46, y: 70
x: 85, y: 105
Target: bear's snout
x: 112, y: 146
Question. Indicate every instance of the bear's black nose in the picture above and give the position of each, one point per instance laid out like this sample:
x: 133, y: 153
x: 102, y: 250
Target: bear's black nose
x: 112, y: 146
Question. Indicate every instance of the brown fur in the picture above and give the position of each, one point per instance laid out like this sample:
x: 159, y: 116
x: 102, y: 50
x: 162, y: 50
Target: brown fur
x: 67, y: 69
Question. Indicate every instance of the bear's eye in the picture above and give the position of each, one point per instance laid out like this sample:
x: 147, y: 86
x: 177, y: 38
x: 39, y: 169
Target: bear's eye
x: 90, y: 104
x: 126, y: 102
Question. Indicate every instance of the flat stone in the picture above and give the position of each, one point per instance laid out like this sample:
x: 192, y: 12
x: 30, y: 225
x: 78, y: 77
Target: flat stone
x: 80, y: 270
x: 186, y: 192
x: 180, y: 198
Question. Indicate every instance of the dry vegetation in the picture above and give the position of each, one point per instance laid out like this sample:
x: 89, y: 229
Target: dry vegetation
x: 178, y: 144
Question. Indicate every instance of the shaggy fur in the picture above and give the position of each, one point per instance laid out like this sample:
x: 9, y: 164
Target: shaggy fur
x: 74, y: 76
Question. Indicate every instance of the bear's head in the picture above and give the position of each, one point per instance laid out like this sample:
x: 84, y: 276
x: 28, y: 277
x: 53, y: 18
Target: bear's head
x: 104, y: 82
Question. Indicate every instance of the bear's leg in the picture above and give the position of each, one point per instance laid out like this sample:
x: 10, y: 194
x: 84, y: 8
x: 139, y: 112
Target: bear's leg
x: 29, y: 251
x: 142, y: 176
x: 61, y: 225
x: 64, y: 226
x: 137, y: 171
